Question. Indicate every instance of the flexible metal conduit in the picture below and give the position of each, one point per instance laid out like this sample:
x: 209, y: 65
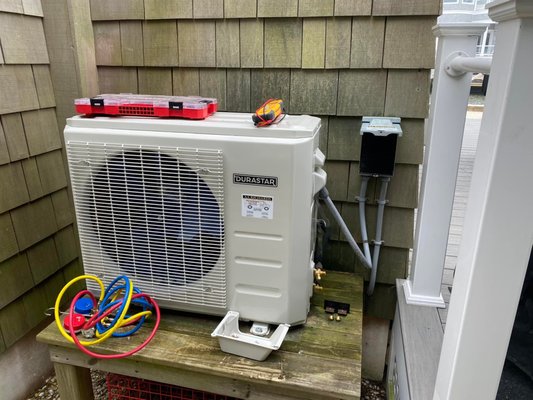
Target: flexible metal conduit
x: 377, y: 241
x: 324, y: 195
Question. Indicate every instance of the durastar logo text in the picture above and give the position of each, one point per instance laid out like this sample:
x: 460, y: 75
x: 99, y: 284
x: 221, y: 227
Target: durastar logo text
x: 256, y: 180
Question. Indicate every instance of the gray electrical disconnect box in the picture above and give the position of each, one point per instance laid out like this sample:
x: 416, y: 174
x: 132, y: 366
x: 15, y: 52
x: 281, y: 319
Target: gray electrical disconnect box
x: 378, y: 145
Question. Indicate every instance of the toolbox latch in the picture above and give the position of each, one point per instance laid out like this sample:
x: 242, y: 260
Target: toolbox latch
x: 97, y: 102
x: 175, y: 105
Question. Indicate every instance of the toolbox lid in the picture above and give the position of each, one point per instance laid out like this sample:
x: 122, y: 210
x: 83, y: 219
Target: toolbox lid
x: 220, y: 123
x: 187, y: 102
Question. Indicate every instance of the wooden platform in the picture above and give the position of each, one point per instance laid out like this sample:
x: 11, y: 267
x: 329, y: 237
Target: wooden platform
x: 320, y: 360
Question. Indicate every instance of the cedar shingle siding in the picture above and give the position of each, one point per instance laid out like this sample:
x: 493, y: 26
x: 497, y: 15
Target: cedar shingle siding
x: 38, y: 250
x: 337, y: 59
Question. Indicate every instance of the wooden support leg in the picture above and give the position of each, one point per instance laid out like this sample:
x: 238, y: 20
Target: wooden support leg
x: 375, y: 339
x: 74, y: 382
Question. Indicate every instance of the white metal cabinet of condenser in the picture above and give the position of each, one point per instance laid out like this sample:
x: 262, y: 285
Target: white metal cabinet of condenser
x: 206, y: 216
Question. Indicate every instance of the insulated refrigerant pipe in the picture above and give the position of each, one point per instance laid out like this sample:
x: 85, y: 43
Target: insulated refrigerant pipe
x: 377, y: 242
x: 324, y: 195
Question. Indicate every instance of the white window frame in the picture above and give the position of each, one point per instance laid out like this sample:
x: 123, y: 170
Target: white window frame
x: 480, y: 4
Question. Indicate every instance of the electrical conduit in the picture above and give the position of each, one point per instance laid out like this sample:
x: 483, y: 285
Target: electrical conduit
x: 377, y: 241
x: 362, y: 218
x: 369, y: 261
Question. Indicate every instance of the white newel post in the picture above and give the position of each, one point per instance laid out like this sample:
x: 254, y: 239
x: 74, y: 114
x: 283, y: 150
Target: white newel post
x: 498, y: 229
x: 449, y: 101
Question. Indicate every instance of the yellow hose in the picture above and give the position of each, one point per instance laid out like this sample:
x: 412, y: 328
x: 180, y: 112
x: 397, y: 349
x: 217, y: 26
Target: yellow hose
x: 102, y: 291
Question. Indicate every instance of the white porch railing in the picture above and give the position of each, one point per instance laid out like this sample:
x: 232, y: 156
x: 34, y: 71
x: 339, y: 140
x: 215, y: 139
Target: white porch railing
x: 498, y: 230
x: 449, y: 100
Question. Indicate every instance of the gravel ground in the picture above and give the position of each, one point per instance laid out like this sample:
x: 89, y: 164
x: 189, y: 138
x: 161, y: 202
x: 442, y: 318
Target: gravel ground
x: 49, y: 390
x: 370, y: 390
x: 477, y: 99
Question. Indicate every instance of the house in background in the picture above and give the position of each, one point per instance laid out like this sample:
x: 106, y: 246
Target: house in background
x: 468, y: 11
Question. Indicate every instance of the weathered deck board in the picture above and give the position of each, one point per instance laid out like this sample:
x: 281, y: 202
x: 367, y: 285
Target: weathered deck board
x: 320, y: 360
x: 420, y: 329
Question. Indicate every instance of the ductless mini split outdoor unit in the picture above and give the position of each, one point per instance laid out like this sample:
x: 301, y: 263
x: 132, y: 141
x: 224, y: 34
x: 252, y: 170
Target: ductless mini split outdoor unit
x: 207, y: 216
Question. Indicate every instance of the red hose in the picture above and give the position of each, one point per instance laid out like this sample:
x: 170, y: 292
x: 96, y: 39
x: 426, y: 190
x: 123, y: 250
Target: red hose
x: 120, y: 355
x: 91, y: 322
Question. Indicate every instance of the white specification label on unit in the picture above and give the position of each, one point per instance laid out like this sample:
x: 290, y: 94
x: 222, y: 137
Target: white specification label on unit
x: 255, y: 206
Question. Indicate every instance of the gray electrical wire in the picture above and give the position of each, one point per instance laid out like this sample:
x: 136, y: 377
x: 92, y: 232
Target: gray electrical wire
x: 377, y: 242
x: 362, y: 218
x: 324, y: 195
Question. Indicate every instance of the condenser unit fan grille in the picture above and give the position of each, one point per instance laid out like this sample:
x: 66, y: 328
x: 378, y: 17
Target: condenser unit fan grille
x: 155, y: 214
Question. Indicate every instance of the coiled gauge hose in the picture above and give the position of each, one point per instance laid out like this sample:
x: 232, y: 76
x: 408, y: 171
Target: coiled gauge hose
x: 109, y: 303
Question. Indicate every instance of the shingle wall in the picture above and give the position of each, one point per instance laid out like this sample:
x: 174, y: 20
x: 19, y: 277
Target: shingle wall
x: 38, y: 248
x: 337, y: 59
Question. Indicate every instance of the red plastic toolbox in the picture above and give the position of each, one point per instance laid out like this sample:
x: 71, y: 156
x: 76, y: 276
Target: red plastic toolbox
x: 189, y: 107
